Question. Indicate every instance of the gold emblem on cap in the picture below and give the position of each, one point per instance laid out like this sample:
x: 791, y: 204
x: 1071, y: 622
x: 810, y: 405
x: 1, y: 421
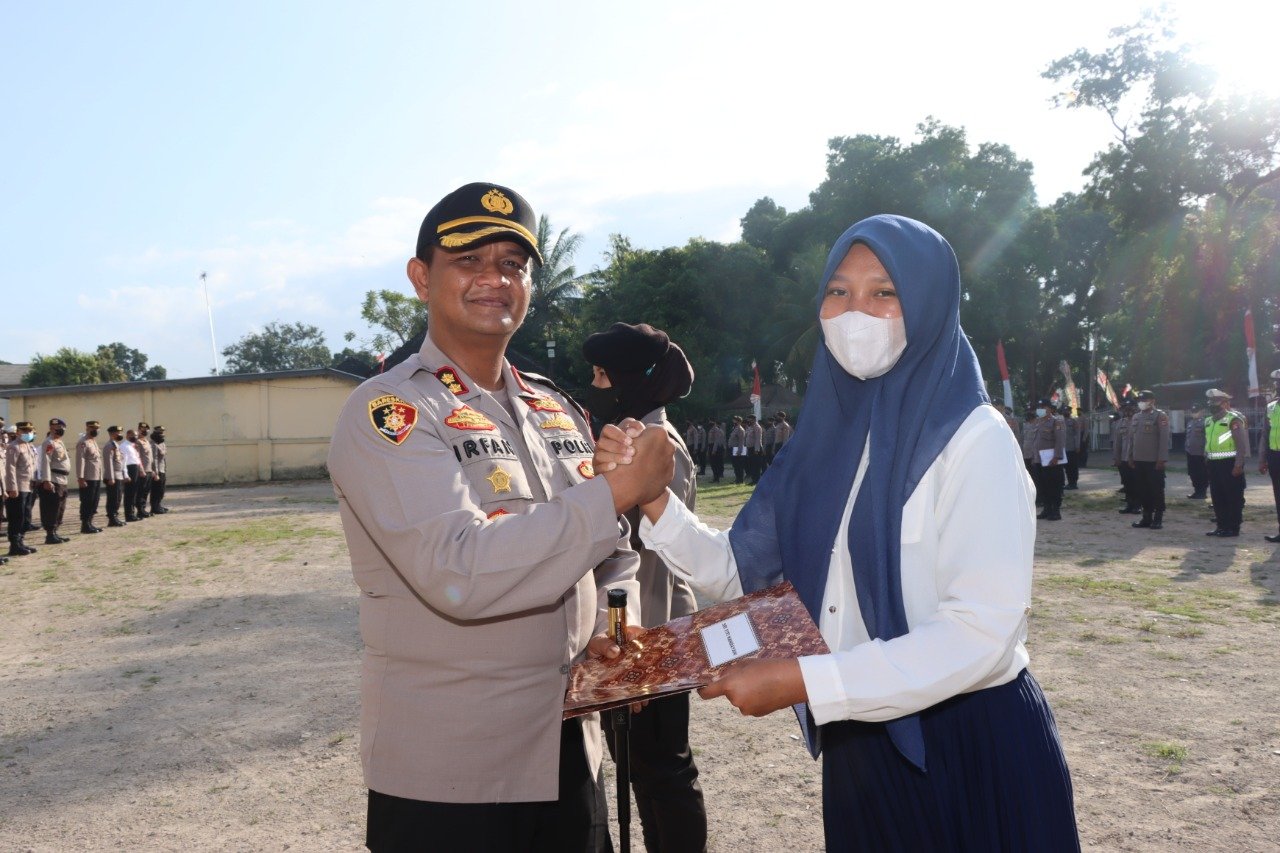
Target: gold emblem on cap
x: 500, y: 480
x: 495, y: 202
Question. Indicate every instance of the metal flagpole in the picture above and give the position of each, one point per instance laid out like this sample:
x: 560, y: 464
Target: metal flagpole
x: 204, y: 282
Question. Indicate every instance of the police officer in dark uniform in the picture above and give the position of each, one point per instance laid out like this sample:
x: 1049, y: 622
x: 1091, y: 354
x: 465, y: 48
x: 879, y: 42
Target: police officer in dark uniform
x: 1197, y: 467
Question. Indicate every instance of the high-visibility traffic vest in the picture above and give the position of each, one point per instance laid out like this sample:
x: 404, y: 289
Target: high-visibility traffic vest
x: 1219, y: 443
x: 1273, y: 418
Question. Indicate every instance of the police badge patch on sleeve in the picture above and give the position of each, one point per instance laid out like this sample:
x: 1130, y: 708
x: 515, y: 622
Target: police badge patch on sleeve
x: 392, y: 417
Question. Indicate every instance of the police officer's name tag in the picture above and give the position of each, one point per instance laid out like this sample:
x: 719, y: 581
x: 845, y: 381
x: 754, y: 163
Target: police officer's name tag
x: 729, y: 640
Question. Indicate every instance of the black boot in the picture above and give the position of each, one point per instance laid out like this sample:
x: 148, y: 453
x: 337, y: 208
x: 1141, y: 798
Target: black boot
x: 1145, y: 521
x: 52, y: 538
x: 1157, y: 523
x: 1197, y: 496
x: 86, y: 527
x: 114, y: 522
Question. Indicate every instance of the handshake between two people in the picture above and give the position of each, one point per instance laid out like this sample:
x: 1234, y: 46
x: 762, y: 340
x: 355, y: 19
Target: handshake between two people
x: 638, y: 462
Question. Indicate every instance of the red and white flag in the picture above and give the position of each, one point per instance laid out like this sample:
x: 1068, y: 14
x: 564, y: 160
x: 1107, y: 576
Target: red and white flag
x: 1105, y: 384
x: 1004, y: 374
x: 1073, y: 396
x: 755, y: 389
x: 382, y: 361
x: 1251, y: 351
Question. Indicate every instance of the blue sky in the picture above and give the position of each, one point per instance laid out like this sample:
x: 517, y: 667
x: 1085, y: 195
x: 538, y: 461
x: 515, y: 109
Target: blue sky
x: 291, y: 149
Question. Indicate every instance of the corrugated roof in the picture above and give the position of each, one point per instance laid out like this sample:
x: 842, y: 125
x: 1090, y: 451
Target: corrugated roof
x: 174, y: 383
x: 11, y: 375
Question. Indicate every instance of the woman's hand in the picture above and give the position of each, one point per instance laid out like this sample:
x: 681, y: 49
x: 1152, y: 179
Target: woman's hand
x: 759, y: 687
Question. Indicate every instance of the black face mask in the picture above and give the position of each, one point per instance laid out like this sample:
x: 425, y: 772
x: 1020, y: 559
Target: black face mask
x: 602, y: 403
x: 59, y: 432
x: 158, y: 439
x: 93, y: 433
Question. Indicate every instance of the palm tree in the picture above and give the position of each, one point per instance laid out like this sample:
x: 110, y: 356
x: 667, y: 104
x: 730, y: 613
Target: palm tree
x: 556, y: 280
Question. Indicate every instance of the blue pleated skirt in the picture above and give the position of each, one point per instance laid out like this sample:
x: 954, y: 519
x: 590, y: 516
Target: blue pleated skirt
x: 996, y: 779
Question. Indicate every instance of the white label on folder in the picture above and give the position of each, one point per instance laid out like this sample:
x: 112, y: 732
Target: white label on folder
x: 729, y: 640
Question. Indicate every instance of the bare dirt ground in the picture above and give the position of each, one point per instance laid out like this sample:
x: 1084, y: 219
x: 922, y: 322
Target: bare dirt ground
x: 190, y: 683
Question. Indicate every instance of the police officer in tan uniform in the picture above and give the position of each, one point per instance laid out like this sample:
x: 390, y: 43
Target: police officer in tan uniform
x: 1197, y: 467
x: 1149, y: 439
x: 114, y: 475
x: 1120, y: 435
x: 1269, y: 453
x: 637, y: 371
x: 21, y: 459
x: 89, y: 476
x: 54, y: 474
x: 146, y: 471
x: 1048, y: 433
x: 483, y: 544
x: 159, y: 461
x: 738, y: 449
x: 715, y: 449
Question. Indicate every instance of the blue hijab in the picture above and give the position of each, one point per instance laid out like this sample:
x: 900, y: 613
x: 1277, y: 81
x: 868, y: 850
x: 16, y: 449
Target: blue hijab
x: 787, y: 528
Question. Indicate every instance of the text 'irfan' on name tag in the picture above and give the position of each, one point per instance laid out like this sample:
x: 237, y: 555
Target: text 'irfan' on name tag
x: 729, y: 640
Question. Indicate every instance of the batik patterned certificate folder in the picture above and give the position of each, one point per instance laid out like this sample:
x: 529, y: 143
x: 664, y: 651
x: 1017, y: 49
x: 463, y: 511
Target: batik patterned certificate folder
x: 686, y: 653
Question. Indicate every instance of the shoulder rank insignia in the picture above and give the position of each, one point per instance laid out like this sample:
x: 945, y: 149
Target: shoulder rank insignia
x: 392, y: 417
x: 449, y: 377
x: 500, y: 480
x: 559, y: 421
x: 543, y: 404
x: 465, y: 417
x: 496, y: 513
x: 586, y: 469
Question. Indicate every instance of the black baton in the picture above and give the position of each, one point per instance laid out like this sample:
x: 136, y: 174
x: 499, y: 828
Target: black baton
x: 621, y: 721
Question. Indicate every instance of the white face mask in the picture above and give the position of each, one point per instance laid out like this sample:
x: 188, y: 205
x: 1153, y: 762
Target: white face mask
x: 865, y: 346
x: 1040, y: 412
x: 1144, y: 406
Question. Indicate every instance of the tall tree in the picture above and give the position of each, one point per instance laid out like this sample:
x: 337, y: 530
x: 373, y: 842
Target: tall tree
x: 555, y: 286
x: 1187, y: 183
x: 396, y: 318
x: 131, y: 362
x: 67, y: 366
x: 279, y: 346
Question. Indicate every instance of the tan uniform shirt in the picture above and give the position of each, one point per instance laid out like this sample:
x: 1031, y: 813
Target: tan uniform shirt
x: 1071, y: 433
x: 1048, y: 433
x: 146, y: 458
x: 20, y: 466
x: 754, y: 438
x: 55, y: 462
x: 158, y: 456
x: 782, y: 434
x: 1195, y: 437
x: 1149, y: 436
x: 88, y: 459
x: 738, y: 439
x: 483, y: 547
x: 113, y: 467
x: 715, y: 438
x: 663, y: 596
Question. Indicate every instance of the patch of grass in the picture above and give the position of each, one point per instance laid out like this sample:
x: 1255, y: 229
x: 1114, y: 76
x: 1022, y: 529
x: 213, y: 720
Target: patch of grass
x: 338, y: 737
x: 130, y: 673
x: 723, y: 499
x: 136, y: 558
x: 152, y: 681
x: 47, y: 576
x: 1092, y: 561
x: 124, y: 629
x: 263, y: 532
x: 1175, y: 754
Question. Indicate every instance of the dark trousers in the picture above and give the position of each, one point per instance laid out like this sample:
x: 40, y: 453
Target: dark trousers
x: 1273, y: 469
x: 89, y: 497
x: 754, y: 461
x: 1227, y: 493
x: 739, y: 468
x: 115, y: 490
x: 1198, y: 470
x: 14, y: 509
x: 701, y: 459
x: 1033, y: 471
x: 157, y: 493
x: 1073, y: 467
x: 578, y: 821
x: 131, y: 491
x: 1129, y: 483
x: 1049, y: 480
x: 53, y: 504
x: 141, y: 494
x: 29, y: 506
x: 664, y: 777
x: 1150, y: 484
x: 717, y: 465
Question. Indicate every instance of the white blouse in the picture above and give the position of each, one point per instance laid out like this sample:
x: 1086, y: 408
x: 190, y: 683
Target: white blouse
x: 968, y: 539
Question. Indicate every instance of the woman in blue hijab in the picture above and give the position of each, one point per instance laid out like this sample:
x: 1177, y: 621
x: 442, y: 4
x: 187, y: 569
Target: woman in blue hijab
x: 903, y: 515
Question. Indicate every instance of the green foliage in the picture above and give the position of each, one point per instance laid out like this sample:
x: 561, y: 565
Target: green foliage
x: 1190, y: 187
x: 395, y: 316
x: 132, y: 363
x: 279, y: 346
